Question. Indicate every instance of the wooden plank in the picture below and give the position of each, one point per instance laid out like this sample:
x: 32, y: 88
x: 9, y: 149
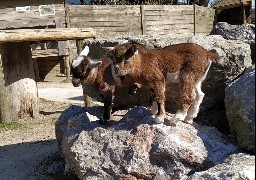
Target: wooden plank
x: 171, y: 22
x: 167, y: 7
x: 45, y: 53
x: 178, y: 19
x: 20, y: 35
x: 173, y: 30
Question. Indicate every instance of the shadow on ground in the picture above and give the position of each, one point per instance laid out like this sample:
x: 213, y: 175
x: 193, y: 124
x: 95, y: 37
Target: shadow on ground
x: 13, y: 159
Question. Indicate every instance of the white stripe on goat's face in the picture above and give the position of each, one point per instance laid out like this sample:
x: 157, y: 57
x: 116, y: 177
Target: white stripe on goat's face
x: 80, y: 57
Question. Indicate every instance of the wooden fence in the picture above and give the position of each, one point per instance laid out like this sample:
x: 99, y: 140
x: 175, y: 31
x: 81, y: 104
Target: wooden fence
x: 113, y: 20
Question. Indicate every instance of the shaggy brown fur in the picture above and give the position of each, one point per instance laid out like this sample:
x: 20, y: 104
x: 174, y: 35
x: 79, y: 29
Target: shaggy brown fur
x: 186, y: 63
x: 97, y: 74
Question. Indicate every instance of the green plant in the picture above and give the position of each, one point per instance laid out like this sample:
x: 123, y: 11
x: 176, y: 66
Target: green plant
x: 43, y: 100
x: 12, y: 125
x: 66, y: 80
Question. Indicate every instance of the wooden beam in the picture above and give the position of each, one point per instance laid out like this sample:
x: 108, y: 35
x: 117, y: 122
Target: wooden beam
x: 142, y: 11
x: 21, y: 35
x: 45, y: 53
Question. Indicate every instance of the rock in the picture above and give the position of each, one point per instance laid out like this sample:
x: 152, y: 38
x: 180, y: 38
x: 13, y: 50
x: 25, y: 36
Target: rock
x: 240, y: 109
x: 136, y: 148
x: 56, y: 167
x: 212, y: 112
x: 237, y: 166
x: 245, y: 33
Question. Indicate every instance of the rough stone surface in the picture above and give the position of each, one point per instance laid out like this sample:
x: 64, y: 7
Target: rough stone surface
x: 240, y: 108
x: 245, y: 33
x: 212, y: 112
x: 133, y: 147
x: 237, y: 166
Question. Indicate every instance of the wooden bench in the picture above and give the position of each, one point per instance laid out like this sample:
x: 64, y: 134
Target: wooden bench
x: 18, y: 89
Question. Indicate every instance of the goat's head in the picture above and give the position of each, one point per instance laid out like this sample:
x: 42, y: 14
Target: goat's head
x: 122, y: 56
x: 82, y: 66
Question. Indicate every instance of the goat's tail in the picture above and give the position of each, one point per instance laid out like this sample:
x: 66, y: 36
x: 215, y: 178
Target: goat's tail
x: 216, y: 56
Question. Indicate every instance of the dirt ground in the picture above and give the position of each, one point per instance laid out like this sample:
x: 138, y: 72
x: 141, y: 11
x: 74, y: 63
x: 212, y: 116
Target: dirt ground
x: 28, y: 148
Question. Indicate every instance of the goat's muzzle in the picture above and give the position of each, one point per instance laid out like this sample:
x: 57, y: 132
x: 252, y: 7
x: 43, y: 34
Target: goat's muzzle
x: 116, y: 69
x: 76, y: 82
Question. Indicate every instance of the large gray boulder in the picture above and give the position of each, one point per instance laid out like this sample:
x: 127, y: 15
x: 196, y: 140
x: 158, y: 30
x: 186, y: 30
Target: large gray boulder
x: 133, y: 147
x: 237, y: 58
x: 240, y: 108
x: 237, y: 166
x: 245, y: 33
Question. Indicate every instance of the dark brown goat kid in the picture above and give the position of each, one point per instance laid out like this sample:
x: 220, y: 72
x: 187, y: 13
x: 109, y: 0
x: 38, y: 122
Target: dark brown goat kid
x: 98, y: 76
x: 185, y: 63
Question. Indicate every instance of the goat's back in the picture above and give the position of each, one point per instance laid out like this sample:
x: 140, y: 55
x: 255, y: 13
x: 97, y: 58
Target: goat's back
x: 174, y: 57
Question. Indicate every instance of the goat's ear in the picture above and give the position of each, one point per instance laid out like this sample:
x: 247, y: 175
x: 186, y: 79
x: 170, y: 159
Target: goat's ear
x: 134, y: 49
x: 95, y: 63
x: 85, y: 51
x: 131, y: 51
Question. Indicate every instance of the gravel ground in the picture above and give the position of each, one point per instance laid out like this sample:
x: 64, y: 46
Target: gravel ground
x: 28, y: 150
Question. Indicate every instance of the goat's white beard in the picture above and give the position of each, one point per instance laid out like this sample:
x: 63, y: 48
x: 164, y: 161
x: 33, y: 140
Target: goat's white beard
x: 115, y: 77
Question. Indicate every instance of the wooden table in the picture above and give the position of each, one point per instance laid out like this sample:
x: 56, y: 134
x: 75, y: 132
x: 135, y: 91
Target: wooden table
x: 18, y: 89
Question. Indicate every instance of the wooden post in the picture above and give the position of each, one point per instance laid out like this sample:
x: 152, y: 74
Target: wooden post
x: 194, y: 9
x: 244, y: 16
x: 36, y: 69
x: 142, y: 12
x: 67, y: 66
x: 18, y: 90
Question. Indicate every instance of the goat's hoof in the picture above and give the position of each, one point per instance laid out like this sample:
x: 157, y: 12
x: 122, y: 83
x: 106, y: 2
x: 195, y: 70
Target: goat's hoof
x: 188, y: 121
x: 172, y: 121
x: 159, y: 119
x: 103, y: 121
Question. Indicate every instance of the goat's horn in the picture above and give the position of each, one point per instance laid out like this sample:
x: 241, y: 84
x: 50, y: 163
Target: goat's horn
x: 85, y: 51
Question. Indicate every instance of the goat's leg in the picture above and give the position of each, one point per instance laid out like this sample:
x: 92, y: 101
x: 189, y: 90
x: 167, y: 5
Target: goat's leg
x: 187, y: 95
x: 194, y: 109
x: 108, y: 98
x: 152, y: 104
x: 159, y: 92
x: 133, y: 88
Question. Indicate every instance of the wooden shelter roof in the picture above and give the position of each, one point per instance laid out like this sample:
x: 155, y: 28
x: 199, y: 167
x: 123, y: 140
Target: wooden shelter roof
x: 227, y: 4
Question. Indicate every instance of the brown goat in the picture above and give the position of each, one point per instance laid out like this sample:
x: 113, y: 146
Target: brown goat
x: 186, y: 63
x: 98, y: 75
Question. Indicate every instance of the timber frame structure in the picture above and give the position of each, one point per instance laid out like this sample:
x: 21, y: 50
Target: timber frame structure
x: 18, y: 89
x: 236, y: 11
